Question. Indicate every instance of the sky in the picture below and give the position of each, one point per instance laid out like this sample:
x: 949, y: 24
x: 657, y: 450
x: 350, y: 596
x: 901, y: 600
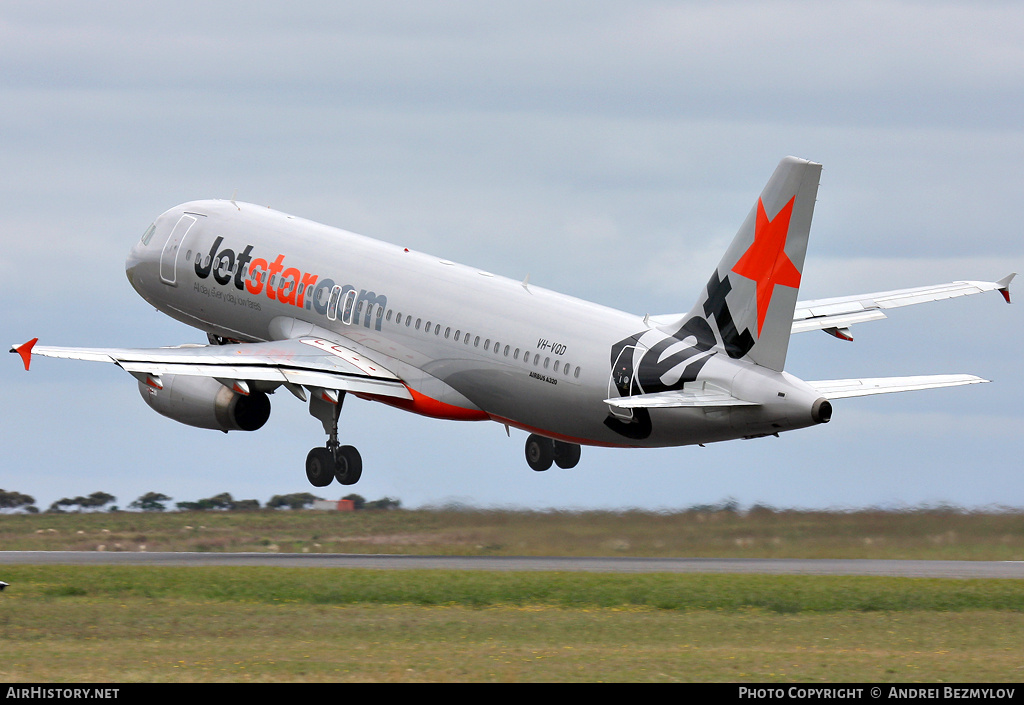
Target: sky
x: 609, y: 150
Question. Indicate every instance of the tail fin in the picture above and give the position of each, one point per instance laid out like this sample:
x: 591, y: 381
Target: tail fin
x: 751, y: 295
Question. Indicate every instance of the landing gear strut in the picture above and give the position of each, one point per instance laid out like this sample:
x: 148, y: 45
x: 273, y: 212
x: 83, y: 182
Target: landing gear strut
x: 334, y: 461
x: 541, y: 452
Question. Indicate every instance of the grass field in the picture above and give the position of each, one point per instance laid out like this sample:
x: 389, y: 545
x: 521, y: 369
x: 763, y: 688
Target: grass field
x: 147, y: 624
x: 710, y: 532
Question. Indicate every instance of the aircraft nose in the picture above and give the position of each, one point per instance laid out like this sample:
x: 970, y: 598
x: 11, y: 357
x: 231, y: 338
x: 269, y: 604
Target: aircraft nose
x: 136, y: 256
x: 131, y: 264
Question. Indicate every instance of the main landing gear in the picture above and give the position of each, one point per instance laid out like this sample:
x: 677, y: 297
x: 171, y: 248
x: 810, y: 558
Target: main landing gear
x: 541, y: 452
x: 335, y: 461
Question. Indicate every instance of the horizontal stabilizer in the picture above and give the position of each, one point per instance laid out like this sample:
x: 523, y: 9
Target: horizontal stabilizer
x: 699, y: 394
x: 843, y: 388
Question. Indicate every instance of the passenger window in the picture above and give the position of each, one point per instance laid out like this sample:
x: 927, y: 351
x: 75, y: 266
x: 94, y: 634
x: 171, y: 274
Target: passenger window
x: 447, y: 331
x: 476, y: 343
x: 577, y: 373
x: 506, y: 351
x: 457, y: 334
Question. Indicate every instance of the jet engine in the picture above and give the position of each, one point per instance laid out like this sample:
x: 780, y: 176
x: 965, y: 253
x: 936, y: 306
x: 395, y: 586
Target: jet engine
x: 206, y: 403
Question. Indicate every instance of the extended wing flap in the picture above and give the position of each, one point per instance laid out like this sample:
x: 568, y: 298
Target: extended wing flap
x: 843, y: 388
x: 839, y: 320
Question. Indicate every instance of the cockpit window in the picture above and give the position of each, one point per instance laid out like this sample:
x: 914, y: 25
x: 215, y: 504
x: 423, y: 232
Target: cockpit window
x: 149, y: 234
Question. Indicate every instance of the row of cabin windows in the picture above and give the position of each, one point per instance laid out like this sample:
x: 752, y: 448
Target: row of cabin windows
x: 559, y: 366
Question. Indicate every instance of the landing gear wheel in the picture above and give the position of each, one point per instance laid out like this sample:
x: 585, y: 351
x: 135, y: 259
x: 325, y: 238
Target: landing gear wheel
x: 348, y: 465
x: 540, y: 452
x: 567, y: 455
x: 320, y: 467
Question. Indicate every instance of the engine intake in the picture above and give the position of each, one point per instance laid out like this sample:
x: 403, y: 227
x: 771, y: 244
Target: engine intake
x: 204, y: 402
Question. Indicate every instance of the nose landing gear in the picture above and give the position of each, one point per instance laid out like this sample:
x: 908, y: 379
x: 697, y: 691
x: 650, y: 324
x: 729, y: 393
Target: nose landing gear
x: 334, y: 461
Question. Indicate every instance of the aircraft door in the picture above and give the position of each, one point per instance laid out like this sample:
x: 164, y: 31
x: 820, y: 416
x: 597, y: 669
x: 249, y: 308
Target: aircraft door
x: 169, y: 255
x: 345, y: 300
x: 348, y: 307
x: 623, y: 381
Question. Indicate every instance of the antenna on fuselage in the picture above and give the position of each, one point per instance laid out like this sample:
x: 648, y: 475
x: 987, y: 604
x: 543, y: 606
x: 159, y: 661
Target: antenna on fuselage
x: 233, y: 199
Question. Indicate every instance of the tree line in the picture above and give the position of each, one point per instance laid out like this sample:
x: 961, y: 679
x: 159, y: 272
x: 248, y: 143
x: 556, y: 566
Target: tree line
x: 11, y: 501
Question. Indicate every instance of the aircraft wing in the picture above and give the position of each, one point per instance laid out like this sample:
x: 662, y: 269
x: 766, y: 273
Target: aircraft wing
x: 843, y: 388
x: 836, y: 315
x: 309, y: 362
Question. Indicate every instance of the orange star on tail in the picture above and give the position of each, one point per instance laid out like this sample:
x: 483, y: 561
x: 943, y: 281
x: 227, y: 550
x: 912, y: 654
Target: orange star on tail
x: 765, y: 261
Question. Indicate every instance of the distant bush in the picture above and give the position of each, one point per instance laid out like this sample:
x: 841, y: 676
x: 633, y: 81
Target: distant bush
x: 297, y: 500
x: 384, y: 503
x: 150, y: 502
x: 223, y: 501
x: 93, y: 501
x: 17, y: 500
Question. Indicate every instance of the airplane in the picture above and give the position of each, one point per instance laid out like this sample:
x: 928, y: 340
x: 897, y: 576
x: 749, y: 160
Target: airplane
x: 324, y: 313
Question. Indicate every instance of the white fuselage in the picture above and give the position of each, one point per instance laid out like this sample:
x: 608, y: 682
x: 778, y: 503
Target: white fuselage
x: 468, y: 344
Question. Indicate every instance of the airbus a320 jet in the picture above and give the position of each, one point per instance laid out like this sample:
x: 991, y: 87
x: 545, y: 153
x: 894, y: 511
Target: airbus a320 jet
x: 324, y: 313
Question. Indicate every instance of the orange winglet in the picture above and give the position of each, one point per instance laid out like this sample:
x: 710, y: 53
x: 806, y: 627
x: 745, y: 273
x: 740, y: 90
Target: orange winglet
x: 25, y: 350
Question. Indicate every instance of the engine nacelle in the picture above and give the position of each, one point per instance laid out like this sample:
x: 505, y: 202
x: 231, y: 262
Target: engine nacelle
x: 206, y: 403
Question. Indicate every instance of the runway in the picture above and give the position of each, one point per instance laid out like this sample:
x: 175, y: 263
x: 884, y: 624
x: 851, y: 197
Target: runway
x: 771, y: 566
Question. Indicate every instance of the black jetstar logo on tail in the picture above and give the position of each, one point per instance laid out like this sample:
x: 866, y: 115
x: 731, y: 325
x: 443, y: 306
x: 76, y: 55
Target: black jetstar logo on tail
x: 736, y: 344
x: 646, y: 377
